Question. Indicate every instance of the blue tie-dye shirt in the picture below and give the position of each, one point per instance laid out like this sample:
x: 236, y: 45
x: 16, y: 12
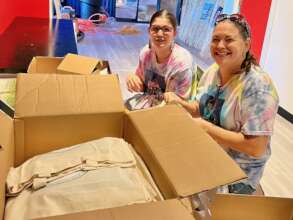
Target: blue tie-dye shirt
x: 247, y: 103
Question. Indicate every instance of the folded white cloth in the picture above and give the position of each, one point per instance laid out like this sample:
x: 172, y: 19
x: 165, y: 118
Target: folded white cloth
x: 95, y: 175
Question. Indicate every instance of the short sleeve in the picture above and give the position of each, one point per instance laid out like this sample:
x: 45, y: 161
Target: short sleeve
x: 144, y: 56
x: 183, y: 81
x: 259, y: 106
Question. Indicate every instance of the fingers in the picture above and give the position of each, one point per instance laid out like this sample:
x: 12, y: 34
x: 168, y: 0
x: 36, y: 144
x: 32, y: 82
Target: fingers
x: 171, y: 97
x: 134, y: 83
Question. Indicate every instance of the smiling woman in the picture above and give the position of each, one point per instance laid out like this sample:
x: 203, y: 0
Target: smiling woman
x: 236, y: 101
x: 163, y: 66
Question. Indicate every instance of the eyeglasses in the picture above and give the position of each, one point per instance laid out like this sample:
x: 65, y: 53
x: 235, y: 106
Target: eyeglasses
x: 236, y: 18
x: 155, y: 29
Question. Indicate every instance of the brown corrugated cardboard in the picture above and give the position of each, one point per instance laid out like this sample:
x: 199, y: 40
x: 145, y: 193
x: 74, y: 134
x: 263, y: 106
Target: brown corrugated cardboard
x: 171, y: 137
x: 53, y: 111
x: 76, y: 64
x: 165, y: 210
x: 69, y: 108
x: 243, y: 207
x: 6, y: 154
x: 40, y: 64
x: 70, y: 64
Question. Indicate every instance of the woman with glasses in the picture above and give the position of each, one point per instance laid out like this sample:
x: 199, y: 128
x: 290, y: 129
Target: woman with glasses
x: 236, y: 101
x: 163, y: 66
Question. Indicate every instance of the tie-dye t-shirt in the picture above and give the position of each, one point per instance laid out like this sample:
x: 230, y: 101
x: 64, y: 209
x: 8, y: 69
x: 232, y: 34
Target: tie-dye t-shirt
x: 175, y: 75
x: 247, y: 103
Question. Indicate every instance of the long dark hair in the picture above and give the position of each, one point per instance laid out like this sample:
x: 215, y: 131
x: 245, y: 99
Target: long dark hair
x: 249, y: 57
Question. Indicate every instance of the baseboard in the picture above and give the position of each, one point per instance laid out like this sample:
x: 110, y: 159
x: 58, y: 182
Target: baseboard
x: 285, y: 114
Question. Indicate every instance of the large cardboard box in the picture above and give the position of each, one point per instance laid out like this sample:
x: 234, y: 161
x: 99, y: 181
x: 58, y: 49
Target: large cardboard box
x: 53, y: 111
x: 70, y: 64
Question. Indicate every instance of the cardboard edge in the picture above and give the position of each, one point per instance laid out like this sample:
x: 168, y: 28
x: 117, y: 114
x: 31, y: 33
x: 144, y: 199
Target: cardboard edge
x: 6, y: 154
x: 19, y: 141
x: 32, y: 66
x: 172, y: 209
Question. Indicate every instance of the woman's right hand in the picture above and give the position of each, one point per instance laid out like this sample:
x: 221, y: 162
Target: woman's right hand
x: 134, y: 83
x: 172, y: 98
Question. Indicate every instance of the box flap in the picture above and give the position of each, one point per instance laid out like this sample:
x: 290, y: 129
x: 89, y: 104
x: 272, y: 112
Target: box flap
x: 76, y: 64
x: 182, y: 152
x: 57, y: 94
x: 243, y: 207
x: 41, y: 64
x: 6, y: 154
x: 163, y: 210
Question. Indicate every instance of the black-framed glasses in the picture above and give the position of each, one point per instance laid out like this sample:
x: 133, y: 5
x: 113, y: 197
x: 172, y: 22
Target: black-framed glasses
x: 236, y: 18
x: 156, y: 28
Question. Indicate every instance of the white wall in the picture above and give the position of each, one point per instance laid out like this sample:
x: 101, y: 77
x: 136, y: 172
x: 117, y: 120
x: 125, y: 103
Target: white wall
x: 277, y: 52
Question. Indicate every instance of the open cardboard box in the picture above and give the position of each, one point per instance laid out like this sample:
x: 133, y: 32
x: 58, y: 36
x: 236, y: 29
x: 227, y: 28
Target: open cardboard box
x: 54, y: 111
x: 70, y: 64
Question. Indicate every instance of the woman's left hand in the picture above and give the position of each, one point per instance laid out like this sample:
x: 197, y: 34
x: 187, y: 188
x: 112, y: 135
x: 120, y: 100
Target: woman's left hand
x: 171, y: 97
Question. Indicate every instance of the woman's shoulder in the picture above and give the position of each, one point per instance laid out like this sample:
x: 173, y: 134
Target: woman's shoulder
x: 211, y: 71
x: 258, y: 75
x: 145, y: 52
x: 257, y: 80
x: 146, y: 49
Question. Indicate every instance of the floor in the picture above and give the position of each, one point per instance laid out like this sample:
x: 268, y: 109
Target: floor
x: 122, y: 50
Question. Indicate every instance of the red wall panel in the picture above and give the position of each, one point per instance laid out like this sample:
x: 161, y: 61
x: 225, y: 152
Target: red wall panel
x: 9, y: 9
x: 33, y: 8
x: 256, y: 13
x: 7, y: 13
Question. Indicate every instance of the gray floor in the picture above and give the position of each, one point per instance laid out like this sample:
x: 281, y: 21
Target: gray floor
x: 122, y: 51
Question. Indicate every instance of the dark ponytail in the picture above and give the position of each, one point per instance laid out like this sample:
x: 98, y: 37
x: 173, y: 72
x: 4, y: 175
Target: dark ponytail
x: 248, y: 61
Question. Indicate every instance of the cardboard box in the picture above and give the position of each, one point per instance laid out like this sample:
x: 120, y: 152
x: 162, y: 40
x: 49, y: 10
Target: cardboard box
x: 243, y: 207
x: 55, y: 110
x: 70, y: 64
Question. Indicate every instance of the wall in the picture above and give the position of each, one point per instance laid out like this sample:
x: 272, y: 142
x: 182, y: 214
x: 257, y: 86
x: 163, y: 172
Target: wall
x: 9, y: 9
x: 256, y: 13
x: 277, y: 50
x: 7, y: 13
x: 33, y: 8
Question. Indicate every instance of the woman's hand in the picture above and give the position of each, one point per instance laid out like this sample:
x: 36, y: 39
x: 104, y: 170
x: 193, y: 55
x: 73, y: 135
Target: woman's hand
x: 134, y: 83
x: 172, y: 98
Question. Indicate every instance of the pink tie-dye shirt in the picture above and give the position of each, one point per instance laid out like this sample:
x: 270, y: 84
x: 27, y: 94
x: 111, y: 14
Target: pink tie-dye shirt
x: 173, y: 76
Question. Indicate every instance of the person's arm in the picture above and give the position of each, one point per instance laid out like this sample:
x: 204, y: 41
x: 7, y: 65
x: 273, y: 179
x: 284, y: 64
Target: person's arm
x: 134, y: 83
x: 251, y: 145
x: 191, y: 107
